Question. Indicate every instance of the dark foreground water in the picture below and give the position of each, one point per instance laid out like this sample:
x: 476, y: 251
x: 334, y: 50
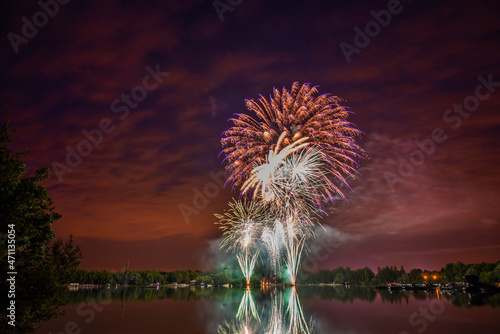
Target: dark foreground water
x: 326, y: 309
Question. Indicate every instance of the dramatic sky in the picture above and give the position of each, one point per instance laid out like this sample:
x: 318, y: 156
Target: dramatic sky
x: 429, y: 191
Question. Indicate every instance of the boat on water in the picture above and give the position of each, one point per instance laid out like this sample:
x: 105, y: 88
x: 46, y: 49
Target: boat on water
x: 155, y: 286
x: 395, y: 287
x: 418, y: 287
x: 390, y: 286
x: 476, y: 287
x: 453, y: 286
x: 406, y: 287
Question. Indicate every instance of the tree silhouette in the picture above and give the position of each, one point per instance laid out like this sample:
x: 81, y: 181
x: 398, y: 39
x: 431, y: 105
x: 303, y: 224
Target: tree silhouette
x: 42, y: 265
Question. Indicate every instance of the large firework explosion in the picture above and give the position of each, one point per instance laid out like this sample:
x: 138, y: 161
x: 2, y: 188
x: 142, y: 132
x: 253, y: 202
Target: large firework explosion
x: 294, y: 115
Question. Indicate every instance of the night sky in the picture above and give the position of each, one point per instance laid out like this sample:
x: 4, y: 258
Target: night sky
x: 153, y: 84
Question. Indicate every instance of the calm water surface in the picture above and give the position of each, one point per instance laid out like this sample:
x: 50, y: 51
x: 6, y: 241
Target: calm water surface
x: 326, y: 309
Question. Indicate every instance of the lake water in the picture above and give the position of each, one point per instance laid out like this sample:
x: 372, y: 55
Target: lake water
x: 276, y: 310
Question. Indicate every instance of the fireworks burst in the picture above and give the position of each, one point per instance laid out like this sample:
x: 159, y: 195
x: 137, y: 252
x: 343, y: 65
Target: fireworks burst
x: 266, y: 176
x: 273, y: 240
x: 293, y: 181
x: 292, y: 159
x: 247, y: 264
x: 295, y: 239
x: 289, y: 240
x: 292, y: 116
x: 242, y: 225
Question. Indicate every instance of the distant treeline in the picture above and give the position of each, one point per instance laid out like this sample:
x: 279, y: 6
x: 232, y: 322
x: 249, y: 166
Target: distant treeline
x: 452, y: 272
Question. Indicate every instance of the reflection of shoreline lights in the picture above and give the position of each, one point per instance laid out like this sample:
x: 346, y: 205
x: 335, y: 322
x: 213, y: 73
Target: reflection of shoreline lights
x: 287, y: 158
